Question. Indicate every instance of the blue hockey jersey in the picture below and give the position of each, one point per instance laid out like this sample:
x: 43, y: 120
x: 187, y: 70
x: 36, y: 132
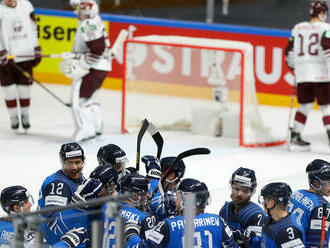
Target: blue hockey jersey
x: 128, y: 213
x: 248, y: 220
x: 284, y: 233
x: 307, y: 209
x: 210, y: 231
x: 57, y: 190
x: 7, y: 233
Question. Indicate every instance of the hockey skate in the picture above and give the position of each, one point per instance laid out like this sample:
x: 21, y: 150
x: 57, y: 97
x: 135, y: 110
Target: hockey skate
x: 25, y: 121
x: 14, y: 122
x: 297, y: 144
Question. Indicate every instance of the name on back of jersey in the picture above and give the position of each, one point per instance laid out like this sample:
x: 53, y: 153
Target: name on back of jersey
x: 304, y: 200
x: 198, y: 222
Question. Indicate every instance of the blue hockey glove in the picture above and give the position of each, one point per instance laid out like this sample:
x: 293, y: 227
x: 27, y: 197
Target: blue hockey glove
x: 75, y: 237
x: 152, y: 167
x: 88, y: 190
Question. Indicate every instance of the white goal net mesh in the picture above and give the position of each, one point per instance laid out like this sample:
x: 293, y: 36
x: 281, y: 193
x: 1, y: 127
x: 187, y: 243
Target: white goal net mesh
x: 186, y: 83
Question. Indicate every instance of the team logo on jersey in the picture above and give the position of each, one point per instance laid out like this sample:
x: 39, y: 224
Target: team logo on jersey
x: 18, y: 26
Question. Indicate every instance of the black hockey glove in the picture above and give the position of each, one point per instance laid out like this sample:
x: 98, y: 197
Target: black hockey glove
x: 75, y: 237
x: 37, y: 56
x: 131, y: 228
x: 152, y: 167
x: 88, y: 190
x: 4, y: 61
x: 241, y: 239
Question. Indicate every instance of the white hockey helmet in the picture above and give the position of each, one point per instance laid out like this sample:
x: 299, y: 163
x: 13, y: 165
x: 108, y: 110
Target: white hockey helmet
x: 87, y: 9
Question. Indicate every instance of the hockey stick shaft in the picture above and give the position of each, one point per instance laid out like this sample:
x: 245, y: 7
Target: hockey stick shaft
x: 291, y: 111
x: 324, y: 219
x: 29, y: 76
x: 157, y: 137
x: 188, y: 153
x: 143, y: 129
x: 118, y: 44
x: 53, y: 56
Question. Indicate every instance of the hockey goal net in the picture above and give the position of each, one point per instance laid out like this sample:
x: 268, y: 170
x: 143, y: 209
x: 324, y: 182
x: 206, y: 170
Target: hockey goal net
x: 198, y: 84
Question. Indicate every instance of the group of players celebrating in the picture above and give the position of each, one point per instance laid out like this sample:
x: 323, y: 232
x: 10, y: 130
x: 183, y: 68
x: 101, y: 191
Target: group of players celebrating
x: 153, y: 209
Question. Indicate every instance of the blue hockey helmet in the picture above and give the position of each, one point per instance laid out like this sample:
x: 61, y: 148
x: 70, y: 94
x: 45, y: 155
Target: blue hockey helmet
x: 244, y: 177
x: 13, y: 195
x: 71, y: 150
x: 190, y: 185
x: 318, y: 171
x: 179, y: 168
x: 280, y: 192
x: 113, y: 155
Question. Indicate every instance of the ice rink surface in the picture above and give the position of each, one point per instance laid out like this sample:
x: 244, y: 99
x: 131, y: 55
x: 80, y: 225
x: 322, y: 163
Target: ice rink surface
x: 27, y: 159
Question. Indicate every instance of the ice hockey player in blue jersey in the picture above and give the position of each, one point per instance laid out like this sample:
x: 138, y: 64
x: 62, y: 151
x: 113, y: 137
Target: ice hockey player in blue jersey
x: 306, y: 205
x: 281, y: 229
x: 244, y: 217
x: 58, y: 188
x: 132, y: 210
x: 162, y: 204
x: 210, y: 229
x: 14, y: 199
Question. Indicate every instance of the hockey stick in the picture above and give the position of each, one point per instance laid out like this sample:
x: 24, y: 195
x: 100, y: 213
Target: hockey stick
x: 157, y: 137
x: 53, y: 56
x: 118, y: 44
x: 143, y: 129
x: 188, y: 153
x: 29, y: 76
x: 324, y: 219
x: 290, y: 125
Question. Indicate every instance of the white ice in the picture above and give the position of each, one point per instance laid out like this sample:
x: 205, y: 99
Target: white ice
x: 27, y: 159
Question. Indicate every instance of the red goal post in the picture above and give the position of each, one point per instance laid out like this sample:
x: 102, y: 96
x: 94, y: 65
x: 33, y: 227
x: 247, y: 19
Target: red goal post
x: 168, y: 79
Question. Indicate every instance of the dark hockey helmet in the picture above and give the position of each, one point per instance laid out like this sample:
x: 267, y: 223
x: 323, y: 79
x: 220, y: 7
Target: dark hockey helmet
x: 134, y: 183
x: 190, y: 185
x: 316, y: 7
x: 106, y: 174
x: 279, y: 192
x: 318, y: 170
x: 179, y: 168
x: 71, y: 150
x: 13, y: 195
x: 245, y: 178
x: 113, y: 155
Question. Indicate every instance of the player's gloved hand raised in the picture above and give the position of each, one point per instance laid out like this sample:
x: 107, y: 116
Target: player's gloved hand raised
x: 4, y: 58
x: 37, y: 56
x: 131, y: 228
x: 152, y: 167
x: 89, y: 189
x: 75, y: 237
